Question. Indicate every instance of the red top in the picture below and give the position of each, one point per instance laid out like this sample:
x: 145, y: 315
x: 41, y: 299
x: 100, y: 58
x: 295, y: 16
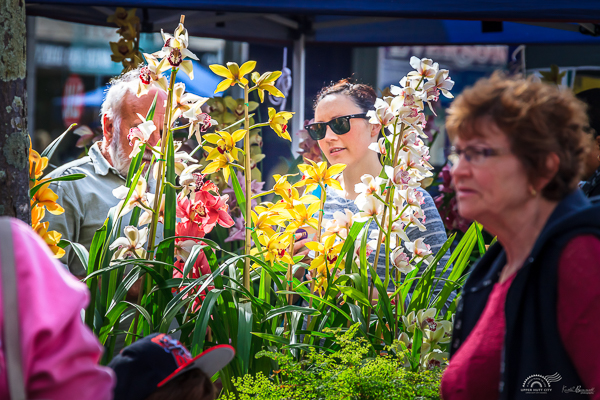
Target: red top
x: 474, y: 372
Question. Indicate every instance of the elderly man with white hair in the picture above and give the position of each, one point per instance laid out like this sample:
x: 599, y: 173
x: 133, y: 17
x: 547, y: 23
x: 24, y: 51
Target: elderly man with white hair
x: 88, y: 201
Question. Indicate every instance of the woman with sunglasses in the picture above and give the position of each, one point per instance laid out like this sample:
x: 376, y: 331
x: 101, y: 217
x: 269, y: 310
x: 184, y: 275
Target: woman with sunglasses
x: 528, y: 318
x: 344, y: 134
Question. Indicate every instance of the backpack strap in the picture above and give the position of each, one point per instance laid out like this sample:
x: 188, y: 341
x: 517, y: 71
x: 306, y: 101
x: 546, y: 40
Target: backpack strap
x: 10, y: 305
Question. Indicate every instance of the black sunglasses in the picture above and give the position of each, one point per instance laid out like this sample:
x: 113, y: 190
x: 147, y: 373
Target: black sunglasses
x: 339, y: 126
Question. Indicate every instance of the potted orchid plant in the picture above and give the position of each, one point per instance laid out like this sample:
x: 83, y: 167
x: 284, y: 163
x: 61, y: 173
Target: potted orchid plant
x: 246, y: 298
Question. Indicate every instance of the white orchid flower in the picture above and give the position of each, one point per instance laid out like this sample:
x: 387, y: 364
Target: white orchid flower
x: 370, y: 206
x: 369, y: 185
x: 434, y: 359
x: 412, y: 99
x: 140, y: 135
x: 184, y: 248
x: 401, y: 261
x: 146, y: 216
x: 199, y: 121
x: 183, y: 101
x: 150, y: 75
x: 438, y: 333
x: 382, y: 114
x: 130, y: 245
x: 410, y: 81
x: 340, y: 224
x: 379, y: 147
x: 190, y: 179
x: 397, y: 230
x: 425, y: 68
x: 400, y: 177
x: 175, y: 50
x: 441, y: 82
x: 420, y: 250
x: 412, y: 219
x: 414, y: 162
x: 413, y: 198
x: 410, y: 321
x: 181, y: 159
x: 139, y: 197
x: 368, y: 249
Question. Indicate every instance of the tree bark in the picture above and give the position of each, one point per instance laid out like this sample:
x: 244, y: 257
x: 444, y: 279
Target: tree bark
x: 14, y: 140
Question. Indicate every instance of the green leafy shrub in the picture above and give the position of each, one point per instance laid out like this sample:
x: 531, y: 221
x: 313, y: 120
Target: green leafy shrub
x: 349, y: 373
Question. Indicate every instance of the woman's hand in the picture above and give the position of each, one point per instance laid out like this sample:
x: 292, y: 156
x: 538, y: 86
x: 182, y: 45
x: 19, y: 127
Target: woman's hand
x: 301, y: 238
x: 300, y: 247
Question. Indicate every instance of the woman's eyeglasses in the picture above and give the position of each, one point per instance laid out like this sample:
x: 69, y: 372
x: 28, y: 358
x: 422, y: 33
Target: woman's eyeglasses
x: 473, y: 155
x: 339, y: 126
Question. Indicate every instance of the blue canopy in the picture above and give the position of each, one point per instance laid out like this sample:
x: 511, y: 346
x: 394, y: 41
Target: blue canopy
x: 358, y: 22
x: 203, y: 84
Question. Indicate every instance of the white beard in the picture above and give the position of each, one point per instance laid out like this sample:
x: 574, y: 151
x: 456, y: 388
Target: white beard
x: 120, y: 159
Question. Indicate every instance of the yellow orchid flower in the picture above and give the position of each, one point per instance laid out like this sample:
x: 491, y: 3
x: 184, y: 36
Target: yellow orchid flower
x: 47, y: 198
x: 266, y: 82
x: 220, y: 163
x: 37, y: 215
x: 303, y: 215
x: 327, y: 253
x: 327, y: 257
x: 51, y: 238
x: 276, y: 246
x: 278, y: 122
x: 225, y: 142
x: 122, y: 50
x: 255, y: 159
x: 282, y: 187
x: 264, y: 220
x: 40, y: 165
x: 290, y: 197
x: 232, y: 73
x: 264, y: 206
x: 123, y: 17
x: 318, y: 174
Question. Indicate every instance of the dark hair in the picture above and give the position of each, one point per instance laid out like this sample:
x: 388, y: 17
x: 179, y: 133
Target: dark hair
x: 192, y: 385
x: 537, y: 118
x: 591, y: 97
x: 362, y: 95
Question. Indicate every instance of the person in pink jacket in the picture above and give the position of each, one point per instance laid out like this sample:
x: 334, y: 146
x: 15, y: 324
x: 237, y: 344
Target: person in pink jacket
x: 59, y: 353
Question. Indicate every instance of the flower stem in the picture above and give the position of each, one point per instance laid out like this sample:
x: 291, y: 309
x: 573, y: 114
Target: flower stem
x: 161, y: 164
x: 248, y: 177
x: 387, y: 239
x: 157, y: 194
x: 318, y: 239
x: 385, y: 207
x: 259, y: 125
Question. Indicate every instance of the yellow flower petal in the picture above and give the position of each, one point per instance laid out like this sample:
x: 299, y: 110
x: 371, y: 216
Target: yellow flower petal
x: 224, y: 85
x: 336, y: 169
x: 247, y: 67
x: 335, y: 184
x: 238, y: 135
x: 220, y: 70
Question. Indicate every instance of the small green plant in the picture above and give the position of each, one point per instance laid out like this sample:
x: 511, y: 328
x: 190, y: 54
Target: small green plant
x: 351, y: 372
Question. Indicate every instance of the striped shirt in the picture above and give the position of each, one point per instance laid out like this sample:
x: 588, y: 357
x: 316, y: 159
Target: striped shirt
x: 435, y: 235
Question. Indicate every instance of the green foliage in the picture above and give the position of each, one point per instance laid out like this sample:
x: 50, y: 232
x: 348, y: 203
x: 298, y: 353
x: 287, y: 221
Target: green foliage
x: 349, y: 373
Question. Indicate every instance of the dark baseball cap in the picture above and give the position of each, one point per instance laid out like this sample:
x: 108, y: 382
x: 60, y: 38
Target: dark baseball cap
x: 153, y: 361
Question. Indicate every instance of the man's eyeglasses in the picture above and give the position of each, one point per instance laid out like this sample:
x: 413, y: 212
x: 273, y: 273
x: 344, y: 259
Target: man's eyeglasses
x: 339, y: 126
x: 473, y: 155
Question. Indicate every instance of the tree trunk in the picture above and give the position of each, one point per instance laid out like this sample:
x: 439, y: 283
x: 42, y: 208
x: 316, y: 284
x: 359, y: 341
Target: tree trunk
x: 14, y: 140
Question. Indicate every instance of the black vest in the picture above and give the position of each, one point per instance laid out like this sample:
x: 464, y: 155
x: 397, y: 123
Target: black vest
x: 533, y: 358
